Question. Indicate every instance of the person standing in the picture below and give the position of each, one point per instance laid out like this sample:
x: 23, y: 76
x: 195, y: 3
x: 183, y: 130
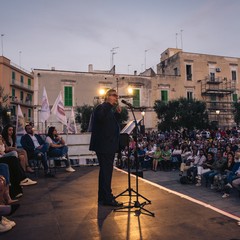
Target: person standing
x: 105, y: 142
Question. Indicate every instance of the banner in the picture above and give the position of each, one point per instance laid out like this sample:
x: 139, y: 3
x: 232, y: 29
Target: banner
x: 72, y: 128
x: 20, y: 125
x: 58, y: 110
x: 45, y: 109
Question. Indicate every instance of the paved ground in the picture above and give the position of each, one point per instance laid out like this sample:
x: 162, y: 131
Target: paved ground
x: 65, y: 208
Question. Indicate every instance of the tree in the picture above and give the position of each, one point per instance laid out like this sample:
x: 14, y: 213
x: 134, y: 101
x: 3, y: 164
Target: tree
x: 83, y: 115
x: 4, y: 117
x: 181, y: 113
x: 236, y: 112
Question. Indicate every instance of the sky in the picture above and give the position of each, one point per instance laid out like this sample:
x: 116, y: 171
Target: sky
x: 131, y: 34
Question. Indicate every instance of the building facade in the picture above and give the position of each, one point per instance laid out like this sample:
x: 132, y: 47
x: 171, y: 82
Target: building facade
x: 18, y: 85
x: 212, y: 79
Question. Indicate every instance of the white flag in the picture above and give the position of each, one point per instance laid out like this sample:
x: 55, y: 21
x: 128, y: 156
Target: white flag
x: 72, y: 128
x: 20, y: 126
x: 45, y: 109
x: 58, y: 109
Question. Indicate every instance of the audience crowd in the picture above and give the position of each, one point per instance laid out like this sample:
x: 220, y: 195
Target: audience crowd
x: 204, y: 157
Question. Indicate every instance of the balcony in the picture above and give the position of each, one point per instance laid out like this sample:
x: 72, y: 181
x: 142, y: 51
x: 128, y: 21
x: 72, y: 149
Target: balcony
x: 14, y: 101
x: 21, y: 85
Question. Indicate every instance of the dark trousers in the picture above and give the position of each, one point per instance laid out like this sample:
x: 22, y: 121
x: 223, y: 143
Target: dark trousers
x: 16, y: 173
x: 105, y: 176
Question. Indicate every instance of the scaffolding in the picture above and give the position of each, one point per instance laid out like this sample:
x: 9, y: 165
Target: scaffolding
x: 218, y: 95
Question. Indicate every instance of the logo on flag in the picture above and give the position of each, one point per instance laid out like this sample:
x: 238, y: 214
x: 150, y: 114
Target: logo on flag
x: 71, y: 123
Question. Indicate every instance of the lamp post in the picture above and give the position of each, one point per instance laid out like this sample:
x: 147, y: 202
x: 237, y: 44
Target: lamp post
x: 2, y: 35
x: 217, y: 115
x: 113, y: 52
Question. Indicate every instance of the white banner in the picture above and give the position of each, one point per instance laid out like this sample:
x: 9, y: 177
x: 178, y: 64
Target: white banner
x: 45, y: 109
x: 72, y: 128
x: 58, y: 110
x: 20, y: 125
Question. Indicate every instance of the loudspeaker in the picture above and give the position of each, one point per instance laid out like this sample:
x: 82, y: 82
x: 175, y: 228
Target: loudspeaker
x: 139, y: 173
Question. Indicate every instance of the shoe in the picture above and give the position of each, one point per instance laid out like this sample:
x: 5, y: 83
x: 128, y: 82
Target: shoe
x: 225, y: 195
x: 180, y: 174
x: 70, y: 169
x: 27, y: 182
x: 19, y: 195
x: 228, y: 185
x: 198, y: 184
x: 64, y: 158
x: 7, y: 221
x: 49, y: 175
x: 113, y: 203
x: 4, y: 227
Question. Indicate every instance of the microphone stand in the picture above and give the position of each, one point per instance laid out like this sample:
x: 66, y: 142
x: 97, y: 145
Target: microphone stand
x: 137, y: 204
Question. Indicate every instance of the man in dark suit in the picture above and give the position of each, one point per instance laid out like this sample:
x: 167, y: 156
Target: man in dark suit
x: 36, y: 147
x: 105, y: 142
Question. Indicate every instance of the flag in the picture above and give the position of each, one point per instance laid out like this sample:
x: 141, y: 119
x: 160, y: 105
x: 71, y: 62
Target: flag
x: 72, y: 128
x: 20, y: 126
x: 45, y: 109
x: 58, y: 109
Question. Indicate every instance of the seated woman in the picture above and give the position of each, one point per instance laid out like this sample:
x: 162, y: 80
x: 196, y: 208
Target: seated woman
x: 57, y: 147
x: 9, y: 139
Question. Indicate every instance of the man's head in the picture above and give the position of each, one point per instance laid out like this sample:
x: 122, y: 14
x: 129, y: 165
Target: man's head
x: 29, y: 129
x: 111, y: 96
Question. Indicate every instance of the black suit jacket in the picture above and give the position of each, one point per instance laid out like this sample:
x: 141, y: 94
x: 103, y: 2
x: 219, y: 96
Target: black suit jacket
x: 28, y: 145
x: 105, y: 129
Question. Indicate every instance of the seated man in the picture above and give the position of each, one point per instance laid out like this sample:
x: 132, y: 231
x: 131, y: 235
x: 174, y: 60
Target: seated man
x: 36, y: 147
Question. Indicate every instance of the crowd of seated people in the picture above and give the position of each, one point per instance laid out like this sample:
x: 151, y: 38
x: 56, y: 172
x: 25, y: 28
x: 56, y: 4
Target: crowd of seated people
x: 202, y: 158
x: 15, y: 165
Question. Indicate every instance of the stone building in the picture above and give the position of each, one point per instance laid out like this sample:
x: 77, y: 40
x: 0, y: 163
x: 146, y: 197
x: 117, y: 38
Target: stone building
x: 213, y: 79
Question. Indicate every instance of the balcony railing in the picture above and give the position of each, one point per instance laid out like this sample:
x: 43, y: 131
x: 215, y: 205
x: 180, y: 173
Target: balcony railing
x: 20, y: 84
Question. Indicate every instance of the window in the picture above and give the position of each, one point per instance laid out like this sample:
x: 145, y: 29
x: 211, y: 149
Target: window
x: 189, y: 95
x: 21, y: 96
x: 213, y: 101
x: 189, y: 72
x: 234, y: 75
x: 175, y: 71
x: 13, y: 92
x: 22, y: 79
x: 29, y: 114
x: 136, y: 97
x: 164, y: 95
x: 14, y: 110
x: 68, y: 96
x: 29, y: 82
x: 235, y: 97
x: 212, y: 76
x: 13, y: 76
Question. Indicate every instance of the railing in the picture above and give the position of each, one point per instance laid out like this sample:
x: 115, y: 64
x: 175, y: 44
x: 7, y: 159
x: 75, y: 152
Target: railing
x: 20, y: 84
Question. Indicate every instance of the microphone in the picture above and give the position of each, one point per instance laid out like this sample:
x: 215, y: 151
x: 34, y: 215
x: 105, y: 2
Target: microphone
x: 127, y: 103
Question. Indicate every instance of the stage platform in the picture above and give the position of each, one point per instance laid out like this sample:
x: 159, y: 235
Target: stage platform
x: 65, y: 208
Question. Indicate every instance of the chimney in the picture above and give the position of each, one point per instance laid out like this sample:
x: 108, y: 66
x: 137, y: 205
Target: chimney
x: 90, y: 68
x: 135, y: 73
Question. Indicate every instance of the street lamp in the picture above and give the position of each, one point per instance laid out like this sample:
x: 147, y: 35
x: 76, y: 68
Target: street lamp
x: 217, y: 114
x: 143, y: 125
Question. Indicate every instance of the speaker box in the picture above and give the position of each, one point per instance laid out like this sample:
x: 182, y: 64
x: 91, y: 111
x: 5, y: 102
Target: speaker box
x: 139, y: 173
